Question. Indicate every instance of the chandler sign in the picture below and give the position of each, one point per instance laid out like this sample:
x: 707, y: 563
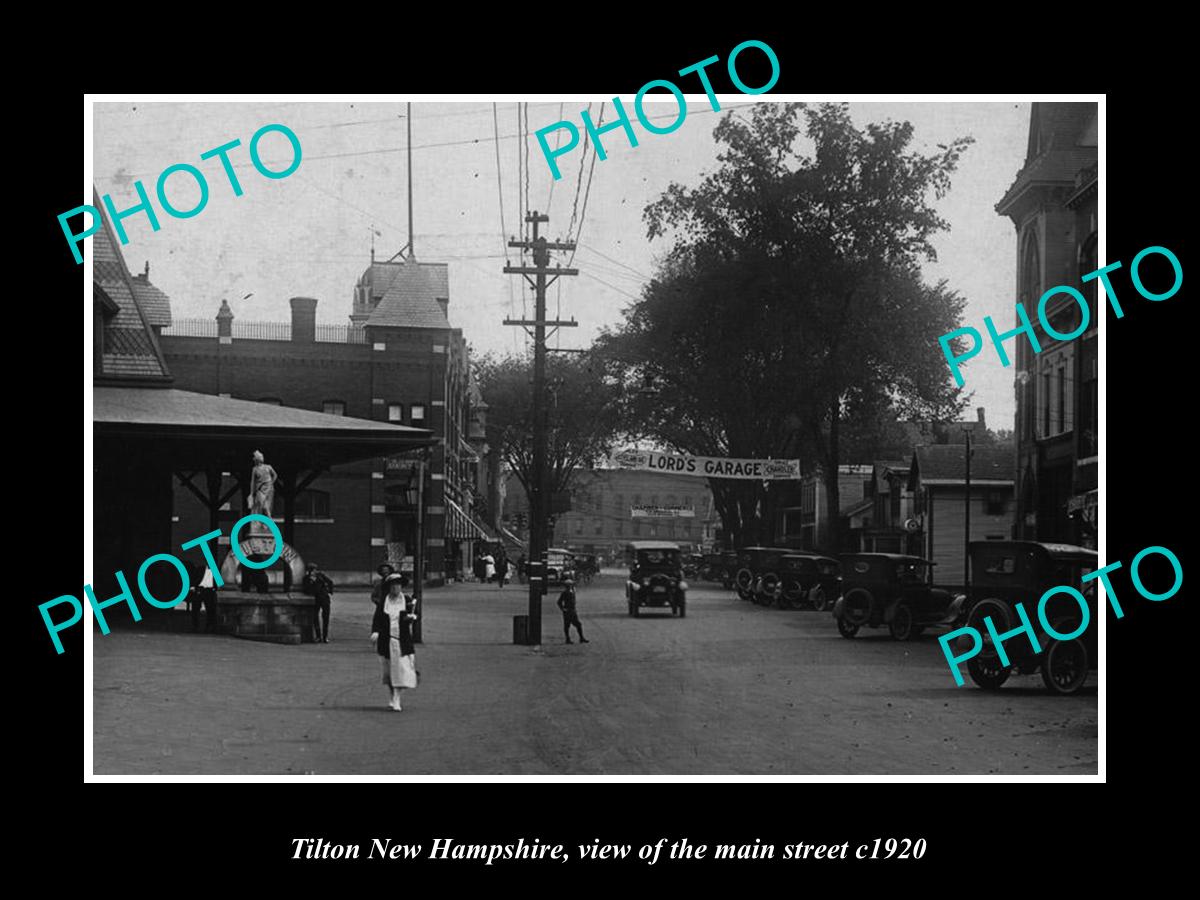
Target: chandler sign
x: 708, y: 466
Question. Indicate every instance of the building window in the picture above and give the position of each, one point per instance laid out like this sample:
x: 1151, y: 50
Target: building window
x: 416, y: 414
x: 599, y: 527
x: 1089, y: 401
x: 312, y: 504
x: 996, y: 502
x: 334, y: 407
x: 1062, y: 399
x: 395, y: 412
x: 1046, y: 405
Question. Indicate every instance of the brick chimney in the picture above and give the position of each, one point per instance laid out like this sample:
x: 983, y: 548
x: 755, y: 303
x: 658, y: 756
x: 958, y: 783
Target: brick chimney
x: 982, y: 420
x: 304, y: 319
x: 225, y: 323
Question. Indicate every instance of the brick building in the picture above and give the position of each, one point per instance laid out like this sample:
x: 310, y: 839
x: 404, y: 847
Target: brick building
x: 602, y: 520
x: 1052, y: 204
x: 399, y: 360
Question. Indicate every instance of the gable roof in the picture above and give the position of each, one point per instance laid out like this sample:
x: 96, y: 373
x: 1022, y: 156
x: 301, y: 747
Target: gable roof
x: 1062, y: 141
x: 154, y: 302
x: 946, y: 464
x: 131, y: 351
x: 408, y: 294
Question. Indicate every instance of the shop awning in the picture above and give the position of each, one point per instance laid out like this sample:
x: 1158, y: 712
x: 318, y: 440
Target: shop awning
x: 196, y: 430
x: 461, y: 527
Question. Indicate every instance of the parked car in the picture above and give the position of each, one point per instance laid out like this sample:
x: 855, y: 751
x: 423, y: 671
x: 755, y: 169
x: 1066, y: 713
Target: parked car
x: 559, y: 564
x: 720, y: 567
x: 890, y: 589
x: 655, y: 577
x: 1004, y: 573
x: 757, y: 576
x: 807, y: 580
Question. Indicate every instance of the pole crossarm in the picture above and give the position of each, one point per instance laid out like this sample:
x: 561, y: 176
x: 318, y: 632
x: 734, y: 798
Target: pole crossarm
x: 539, y: 270
x: 545, y: 323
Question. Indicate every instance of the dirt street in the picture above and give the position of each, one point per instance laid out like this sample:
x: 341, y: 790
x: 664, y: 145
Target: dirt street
x: 730, y: 689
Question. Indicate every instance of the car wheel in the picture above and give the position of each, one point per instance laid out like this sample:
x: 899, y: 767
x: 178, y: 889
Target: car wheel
x: 744, y: 579
x: 768, y: 589
x: 901, y: 625
x: 987, y: 672
x: 818, y: 598
x: 1065, y: 666
x: 1001, y: 616
x: 847, y: 629
x: 793, y: 594
x: 856, y: 606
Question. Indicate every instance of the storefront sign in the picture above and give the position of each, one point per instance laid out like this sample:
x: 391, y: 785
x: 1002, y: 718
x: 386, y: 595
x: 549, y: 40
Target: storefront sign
x: 661, y: 512
x: 708, y: 466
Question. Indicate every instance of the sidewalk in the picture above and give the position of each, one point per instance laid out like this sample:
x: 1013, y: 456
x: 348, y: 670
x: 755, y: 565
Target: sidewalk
x: 202, y: 704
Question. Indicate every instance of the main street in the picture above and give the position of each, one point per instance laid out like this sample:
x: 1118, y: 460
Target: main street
x: 730, y: 689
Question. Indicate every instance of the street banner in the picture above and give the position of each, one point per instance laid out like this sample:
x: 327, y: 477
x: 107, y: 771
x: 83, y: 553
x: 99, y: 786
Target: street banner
x: 709, y: 466
x: 661, y: 512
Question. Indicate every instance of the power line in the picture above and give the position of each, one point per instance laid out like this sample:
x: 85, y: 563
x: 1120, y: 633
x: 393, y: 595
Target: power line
x: 587, y: 193
x: 579, y: 180
x: 613, y: 286
x: 557, y: 144
x: 617, y: 261
x: 351, y: 153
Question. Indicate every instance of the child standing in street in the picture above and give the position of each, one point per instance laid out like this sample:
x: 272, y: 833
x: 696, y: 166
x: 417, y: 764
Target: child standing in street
x: 566, y: 603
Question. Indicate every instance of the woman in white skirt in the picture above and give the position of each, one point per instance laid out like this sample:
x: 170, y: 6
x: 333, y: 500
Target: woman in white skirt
x: 391, y: 633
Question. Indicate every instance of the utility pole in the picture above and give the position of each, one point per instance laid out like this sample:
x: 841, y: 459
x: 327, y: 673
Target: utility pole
x: 967, y: 519
x: 539, y: 495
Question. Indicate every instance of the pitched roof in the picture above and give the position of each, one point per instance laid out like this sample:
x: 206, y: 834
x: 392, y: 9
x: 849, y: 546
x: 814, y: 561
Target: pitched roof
x: 408, y: 294
x: 947, y: 464
x: 131, y: 350
x: 1062, y: 141
x: 155, y: 303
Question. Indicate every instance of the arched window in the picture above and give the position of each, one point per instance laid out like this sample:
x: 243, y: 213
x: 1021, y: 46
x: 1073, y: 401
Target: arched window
x: 1030, y: 293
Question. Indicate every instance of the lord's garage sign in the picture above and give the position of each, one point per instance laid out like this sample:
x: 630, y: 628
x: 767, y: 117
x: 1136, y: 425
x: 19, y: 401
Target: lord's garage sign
x: 709, y: 466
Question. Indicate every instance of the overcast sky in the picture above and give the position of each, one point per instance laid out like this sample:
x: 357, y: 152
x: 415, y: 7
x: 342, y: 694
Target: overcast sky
x: 309, y: 234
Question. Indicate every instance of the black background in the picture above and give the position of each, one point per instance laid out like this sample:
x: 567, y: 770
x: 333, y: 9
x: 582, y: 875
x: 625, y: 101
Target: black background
x: 240, y: 834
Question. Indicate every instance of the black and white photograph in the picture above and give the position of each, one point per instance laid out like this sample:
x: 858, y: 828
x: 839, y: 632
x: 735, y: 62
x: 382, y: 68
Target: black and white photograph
x: 705, y: 434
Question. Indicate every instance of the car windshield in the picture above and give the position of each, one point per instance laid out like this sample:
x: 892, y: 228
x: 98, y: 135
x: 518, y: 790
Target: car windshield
x: 658, y: 557
x: 911, y: 572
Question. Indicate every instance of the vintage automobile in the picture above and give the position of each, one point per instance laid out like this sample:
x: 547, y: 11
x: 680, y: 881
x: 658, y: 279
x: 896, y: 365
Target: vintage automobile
x: 720, y: 566
x: 806, y: 580
x: 890, y: 589
x: 559, y: 564
x: 757, y: 576
x: 587, y: 566
x: 1004, y: 573
x: 655, y: 577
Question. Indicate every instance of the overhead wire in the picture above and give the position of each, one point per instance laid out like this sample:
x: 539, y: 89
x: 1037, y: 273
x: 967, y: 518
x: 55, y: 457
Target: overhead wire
x: 503, y: 229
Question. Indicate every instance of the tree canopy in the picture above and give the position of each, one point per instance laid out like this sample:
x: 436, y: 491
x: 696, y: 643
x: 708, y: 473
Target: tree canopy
x: 790, y: 309
x: 583, y: 412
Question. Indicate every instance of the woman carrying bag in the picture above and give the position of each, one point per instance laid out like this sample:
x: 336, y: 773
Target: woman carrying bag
x: 391, y: 632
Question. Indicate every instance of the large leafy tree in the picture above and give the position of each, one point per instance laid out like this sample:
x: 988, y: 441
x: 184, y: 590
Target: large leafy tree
x: 583, y: 412
x: 790, y: 309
